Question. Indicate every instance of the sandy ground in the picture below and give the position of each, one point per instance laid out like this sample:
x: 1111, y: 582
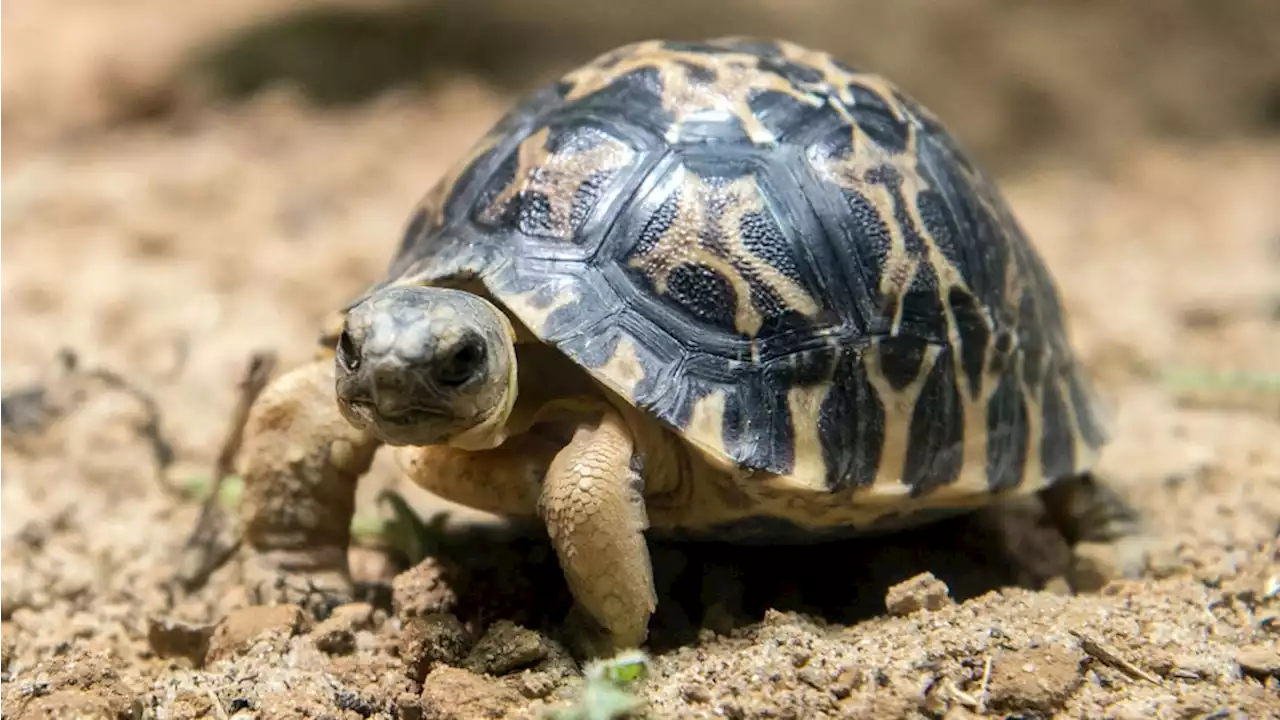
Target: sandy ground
x: 167, y: 238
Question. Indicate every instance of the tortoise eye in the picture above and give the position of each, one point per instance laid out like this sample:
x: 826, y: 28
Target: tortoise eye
x: 464, y: 364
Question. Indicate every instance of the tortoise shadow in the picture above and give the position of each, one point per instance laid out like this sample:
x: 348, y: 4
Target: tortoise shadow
x: 512, y: 573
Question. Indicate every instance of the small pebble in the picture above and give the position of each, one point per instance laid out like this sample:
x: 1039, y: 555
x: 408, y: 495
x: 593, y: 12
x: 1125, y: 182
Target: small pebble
x: 1259, y: 662
x: 450, y: 693
x: 242, y: 628
x: 924, y: 591
x: 428, y: 640
x: 694, y: 693
x: 171, y: 637
x: 1036, y: 679
x: 422, y: 590
x: 506, y: 647
x: 337, y: 634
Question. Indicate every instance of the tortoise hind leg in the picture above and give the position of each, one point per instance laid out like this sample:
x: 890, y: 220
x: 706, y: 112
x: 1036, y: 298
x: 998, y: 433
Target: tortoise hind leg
x: 1108, y: 535
x: 300, y: 462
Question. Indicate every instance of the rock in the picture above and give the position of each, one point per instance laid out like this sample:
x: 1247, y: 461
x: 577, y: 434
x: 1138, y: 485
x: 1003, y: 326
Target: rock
x: 428, y: 640
x: 371, y: 566
x: 74, y: 685
x: 337, y: 634
x: 244, y: 628
x: 1259, y: 662
x: 88, y: 705
x: 1037, y: 679
x: 172, y: 637
x: 506, y: 647
x: 924, y: 591
x: 422, y: 590
x: 450, y: 693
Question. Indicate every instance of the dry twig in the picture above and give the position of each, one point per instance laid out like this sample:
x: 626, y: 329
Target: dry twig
x: 203, y: 551
x: 1110, y: 656
x: 986, y: 682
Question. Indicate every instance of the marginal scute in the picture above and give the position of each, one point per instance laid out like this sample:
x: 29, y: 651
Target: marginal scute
x: 1057, y: 446
x: 805, y: 403
x: 705, y: 430
x: 973, y: 333
x: 935, y: 445
x: 899, y: 406
x: 900, y: 359
x: 624, y: 368
x: 1007, y: 432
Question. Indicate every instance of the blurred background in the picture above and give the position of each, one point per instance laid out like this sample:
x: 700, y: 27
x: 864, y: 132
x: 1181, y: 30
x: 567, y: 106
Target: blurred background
x: 1016, y: 80
x: 186, y: 183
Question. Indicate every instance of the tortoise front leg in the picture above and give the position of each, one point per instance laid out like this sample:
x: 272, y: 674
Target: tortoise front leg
x: 300, y: 463
x: 586, y: 494
x: 594, y: 511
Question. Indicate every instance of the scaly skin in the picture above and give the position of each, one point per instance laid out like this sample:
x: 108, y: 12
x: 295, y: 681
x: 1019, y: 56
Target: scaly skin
x: 594, y: 511
x: 300, y: 462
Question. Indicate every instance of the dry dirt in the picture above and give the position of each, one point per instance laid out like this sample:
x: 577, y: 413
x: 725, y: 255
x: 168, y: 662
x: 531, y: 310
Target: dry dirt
x: 166, y: 236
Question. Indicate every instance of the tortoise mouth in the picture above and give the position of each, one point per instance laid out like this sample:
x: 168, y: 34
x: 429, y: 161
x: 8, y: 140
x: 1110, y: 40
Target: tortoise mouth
x: 409, y: 426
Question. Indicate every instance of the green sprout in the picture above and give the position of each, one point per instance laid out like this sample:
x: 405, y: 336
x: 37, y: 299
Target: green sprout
x: 404, y: 531
x: 1192, y: 379
x: 197, y: 487
x: 605, y: 696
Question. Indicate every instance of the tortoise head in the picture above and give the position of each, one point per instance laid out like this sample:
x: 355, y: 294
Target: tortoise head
x: 427, y: 366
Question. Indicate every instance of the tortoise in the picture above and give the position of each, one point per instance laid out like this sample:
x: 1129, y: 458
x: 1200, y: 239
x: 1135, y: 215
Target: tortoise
x: 732, y: 289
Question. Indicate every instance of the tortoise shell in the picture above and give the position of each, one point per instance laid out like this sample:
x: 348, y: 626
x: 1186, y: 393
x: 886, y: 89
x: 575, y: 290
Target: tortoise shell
x: 789, y: 262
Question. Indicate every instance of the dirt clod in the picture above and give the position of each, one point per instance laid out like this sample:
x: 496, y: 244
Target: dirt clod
x: 79, y: 685
x: 244, y: 628
x: 1035, y: 679
x: 924, y: 591
x: 336, y: 634
x: 450, y: 693
x: 89, y: 705
x: 427, y: 640
x: 504, y: 647
x: 172, y: 637
x: 1260, y: 662
x: 7, y: 645
x: 422, y: 590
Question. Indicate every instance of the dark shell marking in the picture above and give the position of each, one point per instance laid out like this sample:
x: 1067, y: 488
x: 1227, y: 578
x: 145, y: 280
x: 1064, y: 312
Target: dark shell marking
x: 789, y: 261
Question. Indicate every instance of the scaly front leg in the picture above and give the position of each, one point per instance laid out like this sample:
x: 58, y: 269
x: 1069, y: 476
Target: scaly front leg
x: 300, y: 462
x: 592, y: 504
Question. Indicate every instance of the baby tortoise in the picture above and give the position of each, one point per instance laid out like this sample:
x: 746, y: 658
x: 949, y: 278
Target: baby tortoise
x: 731, y: 290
